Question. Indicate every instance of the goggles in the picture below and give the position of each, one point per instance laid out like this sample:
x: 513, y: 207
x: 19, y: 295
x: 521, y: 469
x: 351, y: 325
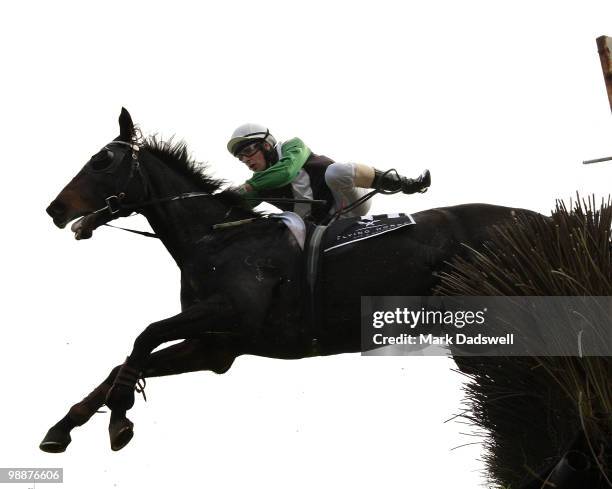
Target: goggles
x: 248, y: 150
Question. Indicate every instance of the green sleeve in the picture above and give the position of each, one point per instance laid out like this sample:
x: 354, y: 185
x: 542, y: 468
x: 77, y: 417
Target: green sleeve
x: 294, y: 154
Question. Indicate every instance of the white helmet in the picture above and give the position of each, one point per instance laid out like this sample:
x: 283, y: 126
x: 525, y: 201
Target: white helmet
x: 248, y: 133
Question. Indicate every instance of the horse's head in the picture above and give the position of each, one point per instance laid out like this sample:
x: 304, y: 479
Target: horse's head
x: 110, y: 177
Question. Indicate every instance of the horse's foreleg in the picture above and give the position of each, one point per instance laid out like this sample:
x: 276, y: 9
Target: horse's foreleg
x: 187, y: 355
x: 205, y: 320
x: 216, y: 356
x: 58, y: 437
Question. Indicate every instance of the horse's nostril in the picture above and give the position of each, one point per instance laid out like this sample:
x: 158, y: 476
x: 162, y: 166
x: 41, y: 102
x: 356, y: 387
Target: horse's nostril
x: 56, y: 209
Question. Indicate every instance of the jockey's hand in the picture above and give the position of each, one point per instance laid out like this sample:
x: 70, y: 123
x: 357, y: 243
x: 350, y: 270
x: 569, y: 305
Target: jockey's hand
x: 245, y: 188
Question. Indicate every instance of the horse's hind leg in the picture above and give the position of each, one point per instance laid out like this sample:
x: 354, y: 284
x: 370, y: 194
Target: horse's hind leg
x: 58, y: 437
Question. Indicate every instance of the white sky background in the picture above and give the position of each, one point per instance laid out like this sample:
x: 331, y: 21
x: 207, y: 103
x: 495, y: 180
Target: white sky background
x: 501, y: 101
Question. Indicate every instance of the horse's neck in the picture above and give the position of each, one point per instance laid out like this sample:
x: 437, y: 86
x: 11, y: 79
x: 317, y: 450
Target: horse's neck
x: 179, y: 224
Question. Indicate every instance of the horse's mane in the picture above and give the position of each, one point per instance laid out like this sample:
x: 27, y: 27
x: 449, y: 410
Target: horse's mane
x: 176, y: 155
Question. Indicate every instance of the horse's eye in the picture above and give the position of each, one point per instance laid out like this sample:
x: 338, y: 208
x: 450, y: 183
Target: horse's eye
x: 102, y: 160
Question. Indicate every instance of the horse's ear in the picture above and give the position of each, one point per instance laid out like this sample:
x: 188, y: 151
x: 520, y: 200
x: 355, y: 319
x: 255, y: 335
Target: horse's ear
x: 126, y: 126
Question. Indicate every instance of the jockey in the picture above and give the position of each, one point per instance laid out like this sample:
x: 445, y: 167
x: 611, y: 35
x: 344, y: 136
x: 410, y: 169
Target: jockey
x: 290, y: 170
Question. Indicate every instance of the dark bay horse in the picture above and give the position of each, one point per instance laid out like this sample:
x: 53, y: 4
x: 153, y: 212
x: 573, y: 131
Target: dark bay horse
x: 242, y: 287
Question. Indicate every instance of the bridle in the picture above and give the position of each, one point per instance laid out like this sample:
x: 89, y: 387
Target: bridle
x: 114, y: 203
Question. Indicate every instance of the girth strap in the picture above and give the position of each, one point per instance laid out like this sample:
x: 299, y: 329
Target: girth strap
x: 313, y: 254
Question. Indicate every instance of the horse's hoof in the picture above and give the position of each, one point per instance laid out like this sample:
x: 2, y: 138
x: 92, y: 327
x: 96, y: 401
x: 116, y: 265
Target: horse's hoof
x: 121, y: 432
x: 55, y: 441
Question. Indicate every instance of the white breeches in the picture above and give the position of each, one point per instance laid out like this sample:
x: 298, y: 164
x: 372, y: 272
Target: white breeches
x: 340, y: 178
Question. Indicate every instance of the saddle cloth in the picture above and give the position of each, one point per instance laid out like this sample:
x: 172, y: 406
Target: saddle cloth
x: 344, y: 231
x: 347, y: 231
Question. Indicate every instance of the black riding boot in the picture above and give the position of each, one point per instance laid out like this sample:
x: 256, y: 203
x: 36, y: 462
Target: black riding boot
x: 391, y: 181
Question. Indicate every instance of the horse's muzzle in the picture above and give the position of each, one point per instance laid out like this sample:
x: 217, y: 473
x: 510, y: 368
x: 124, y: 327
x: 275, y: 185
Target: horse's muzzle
x: 62, y: 214
x: 58, y: 211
